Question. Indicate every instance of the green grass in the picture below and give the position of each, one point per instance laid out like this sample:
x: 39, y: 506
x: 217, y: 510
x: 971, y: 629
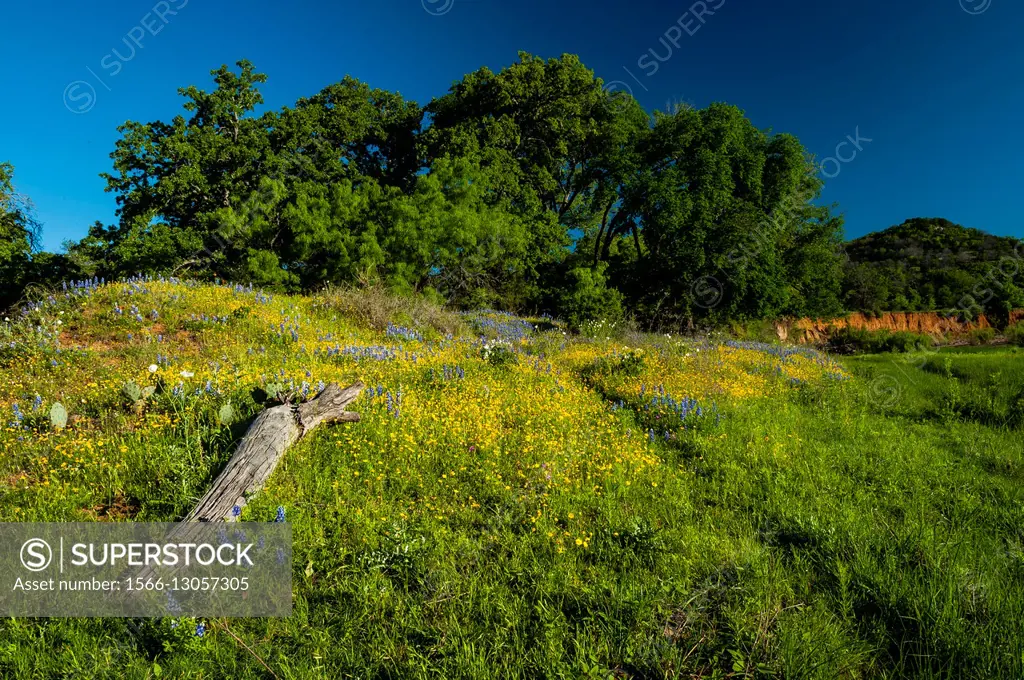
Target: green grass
x: 869, y: 527
x: 969, y: 384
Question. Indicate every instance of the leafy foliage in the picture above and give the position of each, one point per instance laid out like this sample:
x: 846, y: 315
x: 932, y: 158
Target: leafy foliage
x: 1015, y: 333
x: 585, y: 296
x: 856, y: 340
x: 932, y: 264
x: 529, y: 188
x: 19, y: 233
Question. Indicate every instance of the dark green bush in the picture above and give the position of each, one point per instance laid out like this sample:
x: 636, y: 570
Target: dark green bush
x: 499, y: 356
x: 631, y: 363
x: 587, y: 297
x: 857, y: 341
x: 1015, y: 333
x: 981, y: 336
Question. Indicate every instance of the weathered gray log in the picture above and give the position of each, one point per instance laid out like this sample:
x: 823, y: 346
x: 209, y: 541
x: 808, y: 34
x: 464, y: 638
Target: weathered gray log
x: 263, y: 445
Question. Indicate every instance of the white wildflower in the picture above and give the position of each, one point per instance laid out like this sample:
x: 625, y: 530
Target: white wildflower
x: 153, y: 368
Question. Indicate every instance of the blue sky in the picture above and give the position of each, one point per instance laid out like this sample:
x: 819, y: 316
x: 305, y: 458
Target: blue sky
x: 934, y: 84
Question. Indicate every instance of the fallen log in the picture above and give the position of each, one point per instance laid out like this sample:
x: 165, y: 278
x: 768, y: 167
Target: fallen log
x: 263, y: 445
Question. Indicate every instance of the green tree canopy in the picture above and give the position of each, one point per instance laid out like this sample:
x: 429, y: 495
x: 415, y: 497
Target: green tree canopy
x: 928, y: 264
x: 19, y: 237
x: 530, y: 187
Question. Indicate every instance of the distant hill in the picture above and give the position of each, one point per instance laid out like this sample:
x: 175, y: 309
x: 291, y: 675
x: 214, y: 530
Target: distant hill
x: 932, y: 264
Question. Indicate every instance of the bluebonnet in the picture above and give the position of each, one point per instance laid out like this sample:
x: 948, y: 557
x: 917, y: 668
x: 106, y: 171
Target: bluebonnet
x: 506, y: 327
x: 377, y: 353
x: 682, y: 407
x: 394, y: 331
x: 450, y: 373
x: 393, y: 402
x: 784, y: 352
x: 279, y: 517
x: 200, y: 630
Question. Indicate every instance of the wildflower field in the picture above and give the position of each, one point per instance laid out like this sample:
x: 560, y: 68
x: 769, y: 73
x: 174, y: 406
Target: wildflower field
x: 521, y: 501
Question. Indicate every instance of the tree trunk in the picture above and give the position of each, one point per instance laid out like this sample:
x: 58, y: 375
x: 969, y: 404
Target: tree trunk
x: 600, y: 233
x: 265, y: 443
x: 636, y: 241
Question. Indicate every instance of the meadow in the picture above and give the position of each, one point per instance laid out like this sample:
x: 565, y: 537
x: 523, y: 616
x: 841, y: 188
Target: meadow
x: 520, y: 501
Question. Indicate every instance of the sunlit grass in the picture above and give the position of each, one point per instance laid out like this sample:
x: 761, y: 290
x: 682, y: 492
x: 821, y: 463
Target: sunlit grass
x: 520, y: 502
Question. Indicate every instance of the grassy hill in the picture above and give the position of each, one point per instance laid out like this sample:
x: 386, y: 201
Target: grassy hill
x: 518, y: 501
x: 928, y: 264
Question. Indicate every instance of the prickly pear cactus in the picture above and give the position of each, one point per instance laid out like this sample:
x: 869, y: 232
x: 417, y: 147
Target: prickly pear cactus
x: 226, y: 415
x: 132, y: 392
x: 58, y: 416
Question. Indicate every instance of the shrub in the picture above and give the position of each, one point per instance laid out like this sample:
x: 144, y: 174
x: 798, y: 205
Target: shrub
x: 499, y: 356
x: 586, y: 297
x: 1015, y: 333
x: 632, y: 362
x: 856, y: 340
x: 981, y: 336
x: 758, y: 331
x: 599, y: 330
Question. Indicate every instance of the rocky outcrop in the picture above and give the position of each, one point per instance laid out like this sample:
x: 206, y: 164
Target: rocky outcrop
x: 937, y: 325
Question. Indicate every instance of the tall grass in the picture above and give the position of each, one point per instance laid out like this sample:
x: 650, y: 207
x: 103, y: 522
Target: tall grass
x: 375, y: 307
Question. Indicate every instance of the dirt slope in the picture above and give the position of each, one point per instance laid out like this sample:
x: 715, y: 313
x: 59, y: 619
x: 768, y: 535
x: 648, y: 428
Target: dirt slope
x: 932, y: 323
